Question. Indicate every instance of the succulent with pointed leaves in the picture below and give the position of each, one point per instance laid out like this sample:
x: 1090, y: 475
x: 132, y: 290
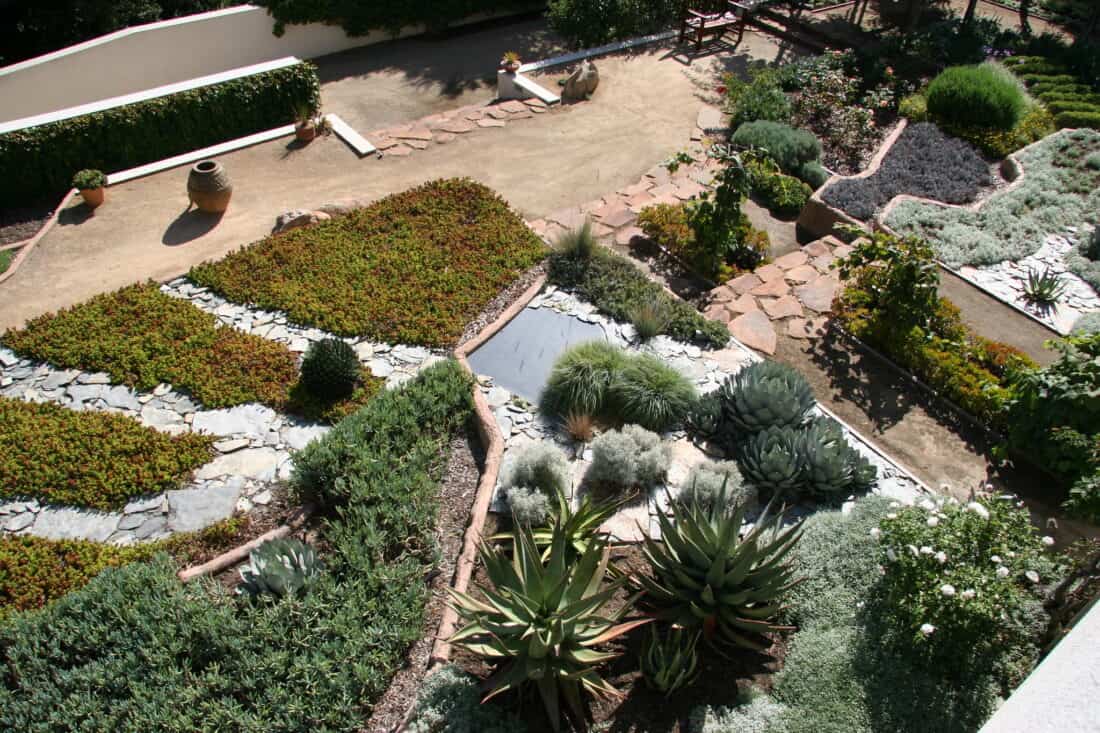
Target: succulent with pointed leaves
x: 280, y: 568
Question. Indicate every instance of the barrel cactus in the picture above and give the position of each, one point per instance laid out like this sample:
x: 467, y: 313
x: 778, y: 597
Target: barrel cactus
x: 279, y: 568
x: 771, y: 460
x: 831, y: 468
x: 706, y: 577
x: 330, y: 369
x: 764, y: 395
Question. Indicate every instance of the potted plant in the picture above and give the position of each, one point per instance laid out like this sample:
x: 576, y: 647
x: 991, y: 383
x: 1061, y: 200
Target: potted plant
x: 308, y: 123
x: 510, y: 62
x: 90, y: 183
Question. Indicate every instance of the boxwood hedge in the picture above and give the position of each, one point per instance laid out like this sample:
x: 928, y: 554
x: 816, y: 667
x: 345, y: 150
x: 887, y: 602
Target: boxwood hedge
x: 46, y: 156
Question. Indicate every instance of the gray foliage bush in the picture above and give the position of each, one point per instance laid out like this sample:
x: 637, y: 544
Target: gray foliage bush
x: 541, y: 466
x: 706, y: 479
x: 758, y: 713
x: 530, y: 507
x: 1087, y: 323
x: 629, y: 457
x: 1058, y: 189
x: 1084, y: 261
x: 449, y: 702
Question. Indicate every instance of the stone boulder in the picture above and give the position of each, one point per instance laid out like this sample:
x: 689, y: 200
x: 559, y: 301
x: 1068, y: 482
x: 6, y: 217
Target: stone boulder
x: 297, y: 218
x: 582, y: 82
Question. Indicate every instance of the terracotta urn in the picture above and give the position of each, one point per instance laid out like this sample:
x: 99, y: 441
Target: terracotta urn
x: 208, y: 186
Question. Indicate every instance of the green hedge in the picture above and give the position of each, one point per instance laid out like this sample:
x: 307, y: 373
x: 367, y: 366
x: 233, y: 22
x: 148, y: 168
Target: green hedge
x: 360, y: 18
x: 46, y: 156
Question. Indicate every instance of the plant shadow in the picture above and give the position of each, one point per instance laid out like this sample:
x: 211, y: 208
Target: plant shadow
x: 190, y: 225
x: 75, y: 215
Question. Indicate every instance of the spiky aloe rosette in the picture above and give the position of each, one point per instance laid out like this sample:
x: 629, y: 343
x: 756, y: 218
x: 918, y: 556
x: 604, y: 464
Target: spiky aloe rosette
x: 540, y: 621
x: 705, y: 576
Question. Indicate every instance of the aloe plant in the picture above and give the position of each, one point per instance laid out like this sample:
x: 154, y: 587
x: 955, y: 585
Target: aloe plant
x: 706, y: 577
x: 542, y: 620
x: 580, y: 526
x: 279, y: 568
x: 670, y: 662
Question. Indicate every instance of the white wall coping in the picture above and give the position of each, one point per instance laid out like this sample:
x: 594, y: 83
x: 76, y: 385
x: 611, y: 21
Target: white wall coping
x: 162, y: 91
x: 597, y: 51
x: 347, y: 133
x: 191, y: 157
x: 114, y: 36
x: 538, y: 90
x: 1061, y: 694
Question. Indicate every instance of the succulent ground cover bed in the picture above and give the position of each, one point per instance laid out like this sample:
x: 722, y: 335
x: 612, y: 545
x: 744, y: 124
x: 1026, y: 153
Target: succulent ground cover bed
x: 191, y: 657
x: 412, y: 268
x: 141, y: 337
x: 923, y: 162
x: 96, y: 460
x: 1061, y: 186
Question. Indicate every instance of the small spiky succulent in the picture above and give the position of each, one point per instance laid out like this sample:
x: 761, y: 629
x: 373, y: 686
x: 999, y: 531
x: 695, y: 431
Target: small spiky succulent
x: 705, y: 576
x: 763, y: 395
x: 670, y: 661
x: 1044, y: 288
x: 280, y: 568
x: 330, y: 369
x: 771, y: 460
x: 831, y: 468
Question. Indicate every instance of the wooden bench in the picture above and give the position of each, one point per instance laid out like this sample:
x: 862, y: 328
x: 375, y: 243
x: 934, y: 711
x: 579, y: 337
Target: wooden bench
x: 699, y: 22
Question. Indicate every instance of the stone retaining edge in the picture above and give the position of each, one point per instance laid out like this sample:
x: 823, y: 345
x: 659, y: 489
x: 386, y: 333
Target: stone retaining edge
x: 239, y: 553
x: 27, y: 245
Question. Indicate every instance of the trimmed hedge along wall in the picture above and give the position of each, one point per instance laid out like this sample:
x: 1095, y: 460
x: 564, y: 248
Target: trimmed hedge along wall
x: 46, y: 156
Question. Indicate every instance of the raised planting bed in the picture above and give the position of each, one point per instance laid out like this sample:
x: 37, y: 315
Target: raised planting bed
x: 412, y: 268
x: 192, y: 657
x: 89, y: 459
x: 142, y: 337
x: 923, y: 162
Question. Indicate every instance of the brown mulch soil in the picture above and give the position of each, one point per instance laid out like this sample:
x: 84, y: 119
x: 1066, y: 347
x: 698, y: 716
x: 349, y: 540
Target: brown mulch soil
x: 504, y: 298
x: 457, y: 492
x: 641, y: 709
x: 23, y: 222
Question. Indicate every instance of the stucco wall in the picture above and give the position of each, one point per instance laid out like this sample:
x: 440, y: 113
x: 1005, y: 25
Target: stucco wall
x: 166, y: 52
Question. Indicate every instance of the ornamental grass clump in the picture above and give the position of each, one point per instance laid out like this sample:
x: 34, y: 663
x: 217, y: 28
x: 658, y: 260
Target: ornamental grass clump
x: 581, y: 379
x: 963, y: 584
x: 707, y: 577
x: 541, y: 621
x: 649, y: 393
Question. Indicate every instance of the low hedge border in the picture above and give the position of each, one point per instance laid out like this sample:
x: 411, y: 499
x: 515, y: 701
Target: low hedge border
x: 47, y: 155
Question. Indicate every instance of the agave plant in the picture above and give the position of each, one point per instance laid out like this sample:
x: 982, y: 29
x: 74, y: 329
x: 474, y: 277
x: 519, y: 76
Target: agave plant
x: 542, y: 620
x: 831, y: 468
x: 670, y: 662
x: 280, y: 568
x: 579, y: 526
x: 764, y: 395
x: 706, y: 576
x: 1044, y: 288
x: 771, y: 460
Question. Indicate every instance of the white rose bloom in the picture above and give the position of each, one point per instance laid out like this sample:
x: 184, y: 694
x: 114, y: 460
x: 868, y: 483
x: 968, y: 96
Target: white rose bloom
x: 947, y: 589
x: 891, y: 555
x: 1048, y: 540
x: 996, y: 559
x: 933, y: 521
x: 876, y: 533
x: 1032, y: 576
x: 978, y: 509
x: 927, y: 505
x: 892, y: 515
x: 989, y: 487
x: 968, y: 594
x: 926, y: 550
x: 927, y: 629
x: 941, y: 557
x: 1002, y: 572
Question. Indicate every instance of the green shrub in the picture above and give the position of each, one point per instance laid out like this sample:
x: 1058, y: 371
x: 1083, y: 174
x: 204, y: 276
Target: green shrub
x: 788, y: 147
x: 707, y: 480
x: 760, y: 98
x: 330, y: 369
x: 616, y: 287
x: 1084, y: 498
x: 813, y: 173
x: 449, y: 701
x: 667, y: 226
x: 1035, y: 124
x: 580, y: 382
x: 97, y: 460
x: 143, y: 132
x: 914, y: 108
x: 1078, y: 119
x: 587, y: 24
x: 89, y: 179
x: 6, y: 258
x: 976, y: 96
x: 628, y: 458
x: 781, y: 195
x: 414, y: 267
x: 649, y: 393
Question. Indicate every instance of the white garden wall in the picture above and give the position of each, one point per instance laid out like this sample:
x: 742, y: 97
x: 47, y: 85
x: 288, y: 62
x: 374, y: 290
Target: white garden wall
x: 166, y: 52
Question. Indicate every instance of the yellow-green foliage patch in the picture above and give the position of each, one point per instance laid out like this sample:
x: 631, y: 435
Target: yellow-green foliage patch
x: 141, y: 337
x: 413, y: 268
x: 97, y: 460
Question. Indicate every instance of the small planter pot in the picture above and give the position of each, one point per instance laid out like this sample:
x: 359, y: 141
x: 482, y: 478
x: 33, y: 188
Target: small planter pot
x: 208, y: 187
x: 510, y: 66
x: 93, y: 197
x: 305, y: 132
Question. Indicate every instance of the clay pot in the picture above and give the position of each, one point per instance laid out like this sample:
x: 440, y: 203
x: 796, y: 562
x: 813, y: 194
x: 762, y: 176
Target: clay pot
x: 208, y: 187
x: 510, y: 66
x: 306, y: 131
x: 93, y: 197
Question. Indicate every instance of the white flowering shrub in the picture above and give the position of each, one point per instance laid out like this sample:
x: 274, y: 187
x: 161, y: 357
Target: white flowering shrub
x: 962, y: 580
x: 629, y: 457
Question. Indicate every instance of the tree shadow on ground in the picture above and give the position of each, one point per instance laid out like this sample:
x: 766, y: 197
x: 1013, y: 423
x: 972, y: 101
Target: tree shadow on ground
x: 190, y: 225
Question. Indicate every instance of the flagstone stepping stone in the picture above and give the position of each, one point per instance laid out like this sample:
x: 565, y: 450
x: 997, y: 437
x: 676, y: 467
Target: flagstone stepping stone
x: 626, y: 235
x: 299, y: 437
x: 711, y: 119
x: 619, y: 217
x: 418, y: 144
x: 816, y: 249
x: 383, y: 142
x: 474, y: 114
x: 523, y: 115
x: 513, y: 106
x: 769, y: 272
x: 744, y: 283
x: 457, y: 127
x: 717, y: 312
x: 489, y: 122
x: 664, y: 189
x: 535, y: 103
x: 639, y: 201
x: 253, y: 463
x: 791, y: 260
x: 568, y: 218
x: 743, y: 304
x: 775, y: 288
x: 818, y: 294
x: 802, y: 274
x: 249, y: 420
x: 497, y: 113
x: 195, y: 509
x: 67, y: 523
x: 416, y: 133
x: 754, y: 329
x: 401, y: 151
x: 688, y: 189
x: 722, y: 294
x: 784, y: 307
x: 442, y: 138
x: 824, y: 264
x: 636, y: 188
x: 802, y: 328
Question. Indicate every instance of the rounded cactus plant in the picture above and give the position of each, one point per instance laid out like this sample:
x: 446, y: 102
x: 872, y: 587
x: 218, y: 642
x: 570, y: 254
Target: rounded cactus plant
x: 330, y: 369
x: 764, y: 395
x: 771, y: 461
